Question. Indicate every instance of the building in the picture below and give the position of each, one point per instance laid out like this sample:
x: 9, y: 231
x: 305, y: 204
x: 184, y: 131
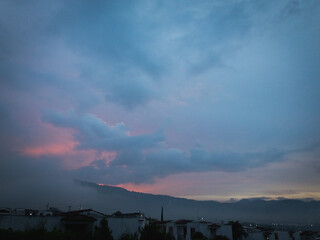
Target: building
x: 80, y: 221
x: 121, y: 223
x: 184, y: 229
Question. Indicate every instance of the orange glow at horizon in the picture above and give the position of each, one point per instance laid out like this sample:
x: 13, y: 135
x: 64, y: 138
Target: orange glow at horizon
x: 157, y: 188
x: 144, y: 188
x: 160, y: 186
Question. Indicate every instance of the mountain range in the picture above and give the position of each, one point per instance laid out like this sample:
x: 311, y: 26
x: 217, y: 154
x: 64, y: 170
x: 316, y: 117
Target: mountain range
x: 286, y: 211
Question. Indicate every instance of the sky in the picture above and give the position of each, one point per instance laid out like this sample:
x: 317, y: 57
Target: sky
x: 209, y: 100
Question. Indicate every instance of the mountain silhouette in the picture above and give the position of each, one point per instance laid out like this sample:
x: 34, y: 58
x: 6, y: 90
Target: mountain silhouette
x: 287, y: 211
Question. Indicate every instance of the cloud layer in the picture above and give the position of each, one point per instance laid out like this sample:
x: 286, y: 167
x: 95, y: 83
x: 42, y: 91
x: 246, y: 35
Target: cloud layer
x: 142, y: 158
x: 139, y: 92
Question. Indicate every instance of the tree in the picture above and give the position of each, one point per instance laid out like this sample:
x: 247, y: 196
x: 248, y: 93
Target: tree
x: 151, y: 231
x: 117, y: 214
x: 219, y: 237
x: 102, y: 232
x: 129, y: 236
x: 169, y: 236
x: 36, y: 233
x: 198, y: 236
x: 237, y: 230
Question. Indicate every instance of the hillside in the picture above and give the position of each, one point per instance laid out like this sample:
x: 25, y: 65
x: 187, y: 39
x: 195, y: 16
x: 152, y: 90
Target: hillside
x: 287, y: 211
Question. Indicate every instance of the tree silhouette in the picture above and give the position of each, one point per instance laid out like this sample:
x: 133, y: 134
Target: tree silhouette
x: 129, y: 236
x: 117, y: 214
x: 152, y: 231
x: 219, y: 237
x: 169, y: 236
x: 198, y: 236
x: 237, y: 230
x: 102, y: 232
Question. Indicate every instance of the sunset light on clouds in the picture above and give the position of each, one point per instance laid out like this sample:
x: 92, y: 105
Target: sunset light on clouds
x: 207, y: 100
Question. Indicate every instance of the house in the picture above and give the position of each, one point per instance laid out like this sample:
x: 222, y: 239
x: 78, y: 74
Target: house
x: 309, y: 235
x: 254, y: 233
x: 120, y: 223
x: 22, y: 219
x: 279, y: 235
x: 264, y: 233
x: 79, y: 221
x: 184, y: 229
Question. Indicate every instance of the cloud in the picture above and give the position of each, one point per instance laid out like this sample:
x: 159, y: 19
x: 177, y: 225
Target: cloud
x: 136, y: 167
x: 135, y: 53
x: 131, y: 90
x: 93, y: 133
x: 143, y: 158
x: 245, y: 72
x: 30, y: 183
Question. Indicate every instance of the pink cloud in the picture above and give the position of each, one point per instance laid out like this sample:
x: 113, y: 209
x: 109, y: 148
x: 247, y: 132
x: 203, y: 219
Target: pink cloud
x: 50, y: 149
x: 70, y: 157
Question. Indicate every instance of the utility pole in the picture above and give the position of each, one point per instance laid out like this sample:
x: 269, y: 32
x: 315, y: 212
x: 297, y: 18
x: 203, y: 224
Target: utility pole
x: 161, y: 214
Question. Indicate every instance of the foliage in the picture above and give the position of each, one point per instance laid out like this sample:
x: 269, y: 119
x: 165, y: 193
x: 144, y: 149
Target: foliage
x: 117, y: 214
x: 219, y: 237
x: 36, y: 233
x: 169, y: 236
x: 237, y: 230
x: 102, y: 232
x: 152, y: 231
x: 129, y: 236
x: 198, y: 236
